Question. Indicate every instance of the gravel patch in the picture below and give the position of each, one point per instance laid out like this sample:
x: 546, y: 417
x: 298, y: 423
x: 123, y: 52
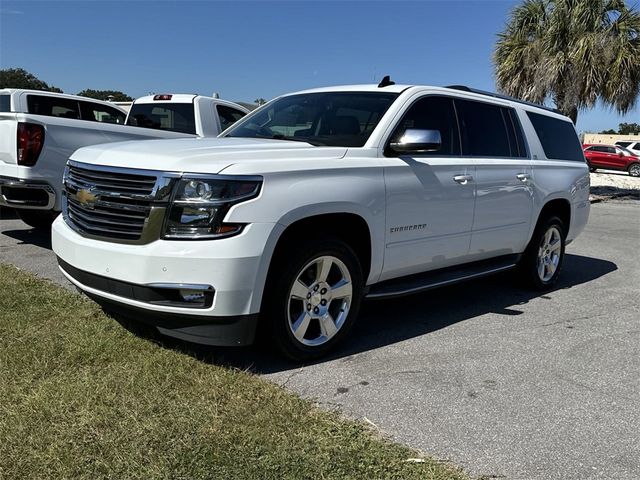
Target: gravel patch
x: 607, y: 185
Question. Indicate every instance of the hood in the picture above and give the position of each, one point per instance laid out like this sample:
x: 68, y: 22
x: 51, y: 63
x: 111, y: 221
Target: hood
x: 200, y: 155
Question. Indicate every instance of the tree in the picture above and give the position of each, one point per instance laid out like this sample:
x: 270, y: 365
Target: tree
x: 629, y: 129
x: 260, y: 101
x: 115, y: 95
x: 624, y: 129
x: 20, y: 78
x: 573, y: 52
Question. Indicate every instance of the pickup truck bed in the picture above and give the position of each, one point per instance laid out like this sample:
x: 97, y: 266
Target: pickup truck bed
x: 35, y: 146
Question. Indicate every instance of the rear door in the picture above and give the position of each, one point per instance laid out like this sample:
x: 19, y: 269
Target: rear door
x: 598, y: 156
x: 492, y: 137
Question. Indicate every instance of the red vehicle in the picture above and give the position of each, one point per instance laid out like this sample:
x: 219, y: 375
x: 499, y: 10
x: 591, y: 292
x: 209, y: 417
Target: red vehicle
x: 611, y: 157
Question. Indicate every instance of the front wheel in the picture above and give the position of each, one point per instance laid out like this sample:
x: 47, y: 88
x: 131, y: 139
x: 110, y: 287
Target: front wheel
x: 313, y: 297
x: 542, y: 260
x: 38, y: 219
x: 634, y: 170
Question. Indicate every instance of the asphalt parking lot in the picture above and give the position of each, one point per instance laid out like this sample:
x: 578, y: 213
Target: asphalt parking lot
x: 501, y: 381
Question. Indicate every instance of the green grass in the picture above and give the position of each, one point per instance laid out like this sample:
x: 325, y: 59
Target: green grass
x: 82, y: 397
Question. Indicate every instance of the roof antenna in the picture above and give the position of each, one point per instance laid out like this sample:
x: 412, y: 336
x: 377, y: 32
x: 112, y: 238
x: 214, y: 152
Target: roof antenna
x: 386, y: 81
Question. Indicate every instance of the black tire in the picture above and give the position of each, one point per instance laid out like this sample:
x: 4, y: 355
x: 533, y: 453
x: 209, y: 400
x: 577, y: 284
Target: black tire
x: 277, y: 310
x: 634, y: 169
x: 38, y: 219
x: 529, y: 265
x: 592, y: 169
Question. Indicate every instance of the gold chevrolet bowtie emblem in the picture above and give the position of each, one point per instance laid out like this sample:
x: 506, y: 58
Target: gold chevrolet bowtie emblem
x: 86, y: 198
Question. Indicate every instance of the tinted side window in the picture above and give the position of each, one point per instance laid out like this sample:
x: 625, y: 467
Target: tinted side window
x: 514, y: 131
x: 53, y: 106
x: 5, y: 103
x: 432, y: 113
x: 599, y: 149
x: 228, y: 116
x: 611, y: 150
x: 558, y: 137
x: 96, y: 112
x: 483, y: 129
x: 623, y: 144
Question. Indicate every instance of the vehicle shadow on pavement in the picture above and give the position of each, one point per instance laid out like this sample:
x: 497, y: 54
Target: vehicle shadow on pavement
x: 22, y: 232
x: 385, y: 322
x: 31, y: 236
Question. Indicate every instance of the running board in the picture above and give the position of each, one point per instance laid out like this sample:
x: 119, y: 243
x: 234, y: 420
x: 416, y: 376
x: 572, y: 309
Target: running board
x: 420, y: 282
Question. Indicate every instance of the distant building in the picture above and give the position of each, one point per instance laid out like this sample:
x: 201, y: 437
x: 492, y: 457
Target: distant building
x: 605, y: 138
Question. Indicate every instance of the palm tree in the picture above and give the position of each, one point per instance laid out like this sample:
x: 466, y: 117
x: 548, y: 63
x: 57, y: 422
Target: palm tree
x: 574, y: 52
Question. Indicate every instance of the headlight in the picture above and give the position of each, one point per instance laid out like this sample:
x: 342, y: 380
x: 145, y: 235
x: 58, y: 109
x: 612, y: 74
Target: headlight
x: 200, y: 204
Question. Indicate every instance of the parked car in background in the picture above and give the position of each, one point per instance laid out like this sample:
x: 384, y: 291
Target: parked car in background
x: 317, y: 200
x: 632, y: 146
x: 193, y: 114
x: 40, y: 130
x: 611, y: 157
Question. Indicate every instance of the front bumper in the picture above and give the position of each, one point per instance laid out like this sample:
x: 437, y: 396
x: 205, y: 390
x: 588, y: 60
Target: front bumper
x: 19, y: 193
x: 235, y: 268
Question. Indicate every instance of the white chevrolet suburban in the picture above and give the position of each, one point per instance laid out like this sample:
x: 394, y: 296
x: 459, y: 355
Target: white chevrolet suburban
x: 40, y: 130
x: 319, y: 200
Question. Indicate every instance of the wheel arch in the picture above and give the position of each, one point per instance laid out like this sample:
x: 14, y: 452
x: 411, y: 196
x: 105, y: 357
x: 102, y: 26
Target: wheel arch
x: 560, y: 207
x: 346, y: 224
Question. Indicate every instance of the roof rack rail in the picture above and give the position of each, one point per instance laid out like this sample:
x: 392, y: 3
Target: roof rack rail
x: 464, y: 88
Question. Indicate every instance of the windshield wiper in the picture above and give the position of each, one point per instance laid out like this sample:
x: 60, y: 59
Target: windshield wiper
x: 279, y: 136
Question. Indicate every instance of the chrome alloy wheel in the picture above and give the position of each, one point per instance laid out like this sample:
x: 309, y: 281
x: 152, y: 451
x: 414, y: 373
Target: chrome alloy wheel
x: 319, y: 300
x: 549, y: 254
x: 634, y: 170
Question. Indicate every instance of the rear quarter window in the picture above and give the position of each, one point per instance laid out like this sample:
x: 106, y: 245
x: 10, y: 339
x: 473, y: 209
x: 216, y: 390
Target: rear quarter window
x: 5, y: 103
x: 558, y: 138
x: 96, y: 112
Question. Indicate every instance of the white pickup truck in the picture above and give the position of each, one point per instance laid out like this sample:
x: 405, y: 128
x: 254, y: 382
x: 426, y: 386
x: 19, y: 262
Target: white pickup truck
x: 40, y: 130
x: 316, y: 201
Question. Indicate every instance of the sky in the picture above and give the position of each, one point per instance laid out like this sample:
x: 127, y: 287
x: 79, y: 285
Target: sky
x: 250, y: 49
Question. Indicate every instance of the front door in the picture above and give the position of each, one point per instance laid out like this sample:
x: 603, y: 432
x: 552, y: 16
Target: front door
x: 429, y: 197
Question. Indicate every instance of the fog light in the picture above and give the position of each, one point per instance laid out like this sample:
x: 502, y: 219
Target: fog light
x: 181, y: 295
x: 192, y: 296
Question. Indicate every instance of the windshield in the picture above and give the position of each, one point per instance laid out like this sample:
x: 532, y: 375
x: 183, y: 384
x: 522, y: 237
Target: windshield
x: 176, y: 117
x: 337, y: 119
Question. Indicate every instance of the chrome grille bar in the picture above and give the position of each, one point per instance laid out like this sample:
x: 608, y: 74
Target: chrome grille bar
x: 123, y: 205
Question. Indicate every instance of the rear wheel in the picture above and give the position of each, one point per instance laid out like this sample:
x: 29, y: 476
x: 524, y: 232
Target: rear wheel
x: 542, y: 260
x: 313, y: 298
x: 634, y: 169
x: 38, y: 219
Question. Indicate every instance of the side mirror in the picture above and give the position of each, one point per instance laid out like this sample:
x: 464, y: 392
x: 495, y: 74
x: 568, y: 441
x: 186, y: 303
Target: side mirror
x: 417, y: 141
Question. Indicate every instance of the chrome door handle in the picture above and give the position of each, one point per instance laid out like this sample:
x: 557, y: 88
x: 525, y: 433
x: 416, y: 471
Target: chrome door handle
x: 462, y: 179
x: 523, y: 177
